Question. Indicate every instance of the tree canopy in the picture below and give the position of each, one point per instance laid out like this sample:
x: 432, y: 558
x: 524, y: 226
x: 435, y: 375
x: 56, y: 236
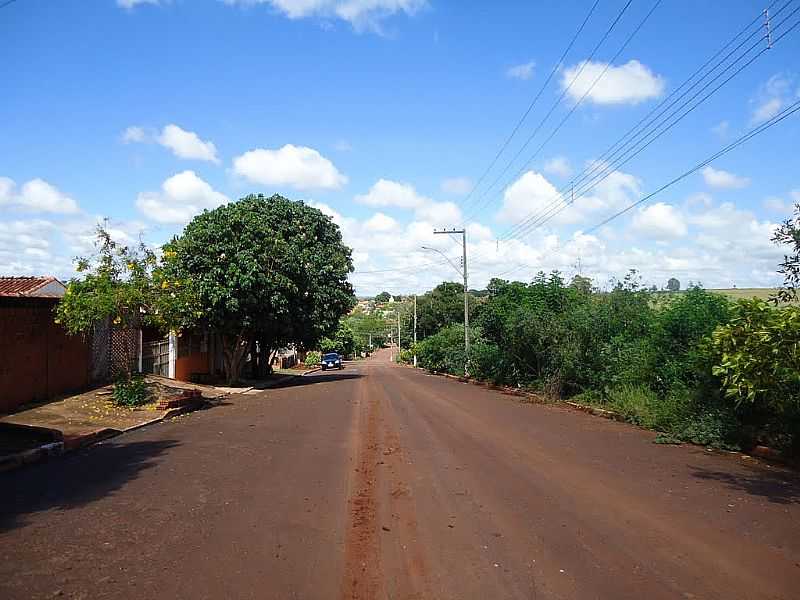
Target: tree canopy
x: 266, y: 270
x: 788, y: 234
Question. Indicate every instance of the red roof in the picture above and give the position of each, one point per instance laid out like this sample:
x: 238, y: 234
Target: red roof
x: 30, y: 287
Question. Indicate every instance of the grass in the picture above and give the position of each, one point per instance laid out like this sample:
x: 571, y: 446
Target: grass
x: 748, y: 293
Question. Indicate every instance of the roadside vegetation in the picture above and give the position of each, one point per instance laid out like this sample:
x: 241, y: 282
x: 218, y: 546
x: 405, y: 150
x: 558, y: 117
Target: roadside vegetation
x: 695, y: 366
x: 260, y: 273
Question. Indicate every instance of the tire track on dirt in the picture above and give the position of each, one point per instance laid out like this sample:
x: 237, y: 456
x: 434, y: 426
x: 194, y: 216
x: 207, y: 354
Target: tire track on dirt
x: 363, y: 576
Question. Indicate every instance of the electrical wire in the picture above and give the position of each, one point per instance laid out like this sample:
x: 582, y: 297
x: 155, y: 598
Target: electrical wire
x: 522, y: 119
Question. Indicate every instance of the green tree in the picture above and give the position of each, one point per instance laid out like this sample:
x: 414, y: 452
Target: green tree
x: 788, y: 234
x: 383, y: 297
x: 366, y: 328
x: 266, y: 270
x: 126, y: 286
x: 582, y: 284
x: 441, y: 307
x: 342, y: 342
x: 673, y: 285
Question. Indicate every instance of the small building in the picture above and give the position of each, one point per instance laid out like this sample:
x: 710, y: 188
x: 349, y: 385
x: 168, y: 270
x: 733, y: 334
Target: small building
x: 39, y: 359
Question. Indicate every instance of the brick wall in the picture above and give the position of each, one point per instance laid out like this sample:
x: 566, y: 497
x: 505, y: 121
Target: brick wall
x: 38, y: 360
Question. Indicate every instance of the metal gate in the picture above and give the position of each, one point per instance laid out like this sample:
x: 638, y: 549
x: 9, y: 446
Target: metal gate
x: 155, y: 357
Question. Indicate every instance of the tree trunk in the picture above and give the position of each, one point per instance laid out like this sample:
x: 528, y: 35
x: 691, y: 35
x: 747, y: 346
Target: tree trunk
x: 234, y: 350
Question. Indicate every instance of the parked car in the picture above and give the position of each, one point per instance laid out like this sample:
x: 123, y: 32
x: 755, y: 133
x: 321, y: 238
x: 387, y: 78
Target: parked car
x: 331, y: 360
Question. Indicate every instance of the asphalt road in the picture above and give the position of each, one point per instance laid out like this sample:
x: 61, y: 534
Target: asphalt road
x: 382, y: 482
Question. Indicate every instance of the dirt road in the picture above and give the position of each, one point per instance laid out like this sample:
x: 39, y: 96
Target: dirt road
x: 383, y: 482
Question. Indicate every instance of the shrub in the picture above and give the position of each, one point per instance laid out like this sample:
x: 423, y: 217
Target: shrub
x: 488, y: 362
x: 640, y: 405
x: 313, y: 358
x: 130, y: 391
x: 758, y: 354
x: 406, y: 356
x: 443, y: 351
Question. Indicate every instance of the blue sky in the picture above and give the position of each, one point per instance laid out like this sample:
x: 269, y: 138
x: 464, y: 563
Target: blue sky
x: 384, y: 113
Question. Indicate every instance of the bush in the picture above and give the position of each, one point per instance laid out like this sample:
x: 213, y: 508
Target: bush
x: 758, y: 354
x: 443, y: 351
x: 130, y: 391
x: 406, y: 356
x: 488, y: 362
x: 313, y: 358
x: 640, y: 405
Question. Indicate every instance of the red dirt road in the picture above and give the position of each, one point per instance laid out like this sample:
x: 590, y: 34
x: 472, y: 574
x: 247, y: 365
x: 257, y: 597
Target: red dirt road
x: 383, y: 482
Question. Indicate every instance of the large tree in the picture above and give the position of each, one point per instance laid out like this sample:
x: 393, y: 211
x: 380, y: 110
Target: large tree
x: 266, y: 272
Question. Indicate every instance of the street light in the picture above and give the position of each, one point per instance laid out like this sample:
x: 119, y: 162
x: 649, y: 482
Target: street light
x: 463, y: 272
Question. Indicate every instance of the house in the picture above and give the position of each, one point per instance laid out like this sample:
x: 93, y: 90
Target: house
x: 188, y: 356
x: 39, y: 359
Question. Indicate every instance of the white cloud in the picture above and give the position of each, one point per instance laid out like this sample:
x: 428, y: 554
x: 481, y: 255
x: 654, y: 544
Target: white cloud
x: 772, y: 97
x: 534, y: 194
x: 659, y: 221
x: 717, y: 178
x: 134, y: 133
x: 529, y: 193
x: 132, y: 3
x: 630, y: 83
x: 699, y: 200
x: 721, y: 129
x: 35, y: 195
x: 440, y: 214
x: 458, y: 186
x: 523, y: 71
x: 559, y: 166
x: 381, y: 222
x: 181, y: 197
x: 296, y: 166
x: 361, y: 14
x: 775, y: 204
x: 385, y: 192
x: 187, y: 144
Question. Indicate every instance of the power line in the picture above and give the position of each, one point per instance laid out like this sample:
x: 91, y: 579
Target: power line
x: 560, y: 98
x: 553, y: 71
x: 631, y: 148
x: 6, y: 3
x: 544, y: 217
x: 580, y: 101
x: 537, y: 218
x: 781, y: 116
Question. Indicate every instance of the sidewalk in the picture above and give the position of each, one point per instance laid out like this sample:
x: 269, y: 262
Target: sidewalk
x: 80, y: 420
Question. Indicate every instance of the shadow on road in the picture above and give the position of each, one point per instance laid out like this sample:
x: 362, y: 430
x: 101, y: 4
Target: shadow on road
x: 72, y: 481
x: 318, y: 377
x: 778, y: 486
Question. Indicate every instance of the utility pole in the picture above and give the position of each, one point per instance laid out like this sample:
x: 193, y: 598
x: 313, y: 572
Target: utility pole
x: 398, y: 334
x: 415, y: 331
x: 463, y: 233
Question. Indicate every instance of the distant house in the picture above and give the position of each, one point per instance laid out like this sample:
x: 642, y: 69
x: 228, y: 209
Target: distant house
x: 39, y: 359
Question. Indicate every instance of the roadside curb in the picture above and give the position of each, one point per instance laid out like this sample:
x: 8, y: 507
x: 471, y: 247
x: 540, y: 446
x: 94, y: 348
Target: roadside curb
x: 77, y: 442
x: 34, y: 455
x: 314, y: 370
x: 530, y: 397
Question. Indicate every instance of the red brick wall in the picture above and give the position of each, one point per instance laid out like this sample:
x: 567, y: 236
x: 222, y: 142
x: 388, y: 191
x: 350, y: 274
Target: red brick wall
x: 38, y: 360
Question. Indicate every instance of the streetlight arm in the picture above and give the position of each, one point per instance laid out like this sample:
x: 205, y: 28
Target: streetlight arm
x: 452, y: 264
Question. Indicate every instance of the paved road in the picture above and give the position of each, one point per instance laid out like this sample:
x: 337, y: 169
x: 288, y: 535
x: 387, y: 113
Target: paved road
x: 382, y: 482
